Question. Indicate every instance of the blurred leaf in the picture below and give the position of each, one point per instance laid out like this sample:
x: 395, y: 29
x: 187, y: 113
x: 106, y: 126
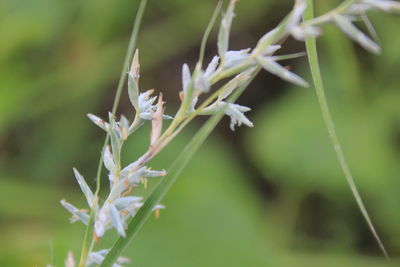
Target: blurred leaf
x: 296, y: 146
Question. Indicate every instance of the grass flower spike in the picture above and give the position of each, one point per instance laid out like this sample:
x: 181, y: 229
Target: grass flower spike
x: 227, y: 75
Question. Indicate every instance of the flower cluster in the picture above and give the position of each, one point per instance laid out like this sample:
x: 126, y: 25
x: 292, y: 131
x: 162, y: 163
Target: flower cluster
x: 230, y: 62
x: 119, y: 205
x: 240, y: 66
x: 242, y: 63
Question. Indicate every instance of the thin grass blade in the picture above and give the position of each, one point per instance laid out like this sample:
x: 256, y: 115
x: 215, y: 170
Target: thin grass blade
x: 320, y: 92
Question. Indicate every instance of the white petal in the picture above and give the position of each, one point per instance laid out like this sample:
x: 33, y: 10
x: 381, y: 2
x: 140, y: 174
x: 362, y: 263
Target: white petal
x: 153, y: 173
x: 76, y: 212
x: 146, y: 102
x: 123, y: 127
x: 201, y: 83
x: 128, y: 169
x: 356, y: 35
x: 235, y: 111
x: 158, y: 207
x: 271, y: 66
x: 115, y: 140
x: 103, y: 252
x: 133, y: 81
x: 358, y: 8
x: 384, y: 5
x: 123, y: 202
x: 123, y: 260
x: 116, y: 220
x: 96, y: 258
x: 84, y: 187
x: 99, y: 228
x: 234, y: 58
x: 304, y: 32
x: 134, y: 177
x: 108, y: 160
x: 111, y: 177
x: 295, y: 16
x: 103, y: 214
x: 99, y: 122
x: 212, y: 66
x: 186, y: 77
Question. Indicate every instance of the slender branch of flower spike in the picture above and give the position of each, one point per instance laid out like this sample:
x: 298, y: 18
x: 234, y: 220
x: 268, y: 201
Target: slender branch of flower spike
x: 319, y: 87
x: 238, y: 80
x: 289, y: 56
x: 328, y: 17
x: 208, y: 30
x: 86, y: 248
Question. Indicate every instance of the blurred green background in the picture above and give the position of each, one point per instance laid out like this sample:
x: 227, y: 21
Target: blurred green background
x: 268, y: 196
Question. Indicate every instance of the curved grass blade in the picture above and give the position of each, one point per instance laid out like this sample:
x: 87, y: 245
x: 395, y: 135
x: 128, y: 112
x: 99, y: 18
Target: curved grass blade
x: 320, y: 92
x: 162, y: 188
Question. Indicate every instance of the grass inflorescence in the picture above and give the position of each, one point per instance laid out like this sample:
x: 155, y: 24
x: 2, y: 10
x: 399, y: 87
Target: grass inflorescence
x: 232, y: 71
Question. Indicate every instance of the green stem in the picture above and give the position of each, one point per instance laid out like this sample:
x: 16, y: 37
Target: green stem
x: 320, y: 92
x: 289, y: 56
x: 88, y: 241
x: 208, y: 30
x: 329, y: 16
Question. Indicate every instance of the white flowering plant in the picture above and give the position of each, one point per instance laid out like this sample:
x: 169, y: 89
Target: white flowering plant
x: 232, y: 71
